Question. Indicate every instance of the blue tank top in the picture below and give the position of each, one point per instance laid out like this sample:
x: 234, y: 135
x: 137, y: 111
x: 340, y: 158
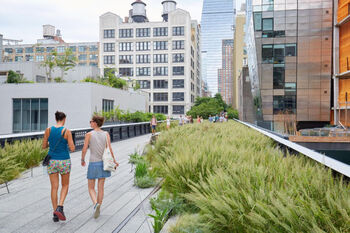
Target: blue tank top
x: 61, y: 151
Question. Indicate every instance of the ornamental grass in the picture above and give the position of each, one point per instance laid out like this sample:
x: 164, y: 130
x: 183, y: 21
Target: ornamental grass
x: 238, y: 180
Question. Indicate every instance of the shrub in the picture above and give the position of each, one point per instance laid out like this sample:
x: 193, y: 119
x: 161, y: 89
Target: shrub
x: 240, y: 181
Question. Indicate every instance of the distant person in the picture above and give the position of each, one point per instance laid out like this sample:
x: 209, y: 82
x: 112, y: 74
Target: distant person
x: 97, y: 140
x: 190, y: 119
x: 181, y: 121
x: 210, y: 119
x: 201, y: 119
x: 60, y: 141
x: 198, y: 119
x: 168, y: 123
x: 217, y: 118
x: 153, y: 124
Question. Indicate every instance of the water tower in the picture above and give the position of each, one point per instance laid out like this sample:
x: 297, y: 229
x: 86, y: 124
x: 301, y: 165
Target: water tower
x: 168, y: 6
x: 139, y: 12
x: 48, y: 31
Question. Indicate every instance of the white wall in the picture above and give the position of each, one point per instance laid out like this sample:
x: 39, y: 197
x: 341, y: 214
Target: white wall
x: 77, y: 100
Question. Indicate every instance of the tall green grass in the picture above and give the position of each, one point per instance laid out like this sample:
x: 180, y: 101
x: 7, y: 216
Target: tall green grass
x: 19, y: 156
x: 239, y: 181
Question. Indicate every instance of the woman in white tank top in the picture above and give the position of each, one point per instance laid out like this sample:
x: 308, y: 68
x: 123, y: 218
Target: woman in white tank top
x: 96, y: 140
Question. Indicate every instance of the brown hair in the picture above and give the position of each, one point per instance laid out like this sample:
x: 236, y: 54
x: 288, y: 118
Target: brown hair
x: 99, y: 120
x: 60, y: 116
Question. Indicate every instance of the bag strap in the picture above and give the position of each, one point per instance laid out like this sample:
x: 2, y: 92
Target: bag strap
x: 106, y: 140
x: 62, y: 136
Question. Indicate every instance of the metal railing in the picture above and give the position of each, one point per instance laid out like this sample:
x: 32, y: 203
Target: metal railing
x: 117, y: 133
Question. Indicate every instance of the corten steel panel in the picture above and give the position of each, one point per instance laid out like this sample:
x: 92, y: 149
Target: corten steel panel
x: 267, y: 110
x: 291, y: 26
x: 291, y: 32
x: 291, y: 39
x: 267, y: 76
x: 344, y: 47
x: 281, y: 14
x: 267, y: 40
x: 343, y: 10
x: 268, y: 117
x: 266, y: 93
x: 278, y: 92
x: 279, y: 40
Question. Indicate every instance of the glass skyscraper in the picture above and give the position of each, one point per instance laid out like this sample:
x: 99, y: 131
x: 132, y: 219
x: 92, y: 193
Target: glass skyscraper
x: 218, y: 20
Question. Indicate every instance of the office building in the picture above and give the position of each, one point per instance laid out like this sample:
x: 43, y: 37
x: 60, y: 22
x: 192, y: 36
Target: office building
x: 164, y: 56
x: 217, y: 24
x: 225, y: 74
x: 293, y: 51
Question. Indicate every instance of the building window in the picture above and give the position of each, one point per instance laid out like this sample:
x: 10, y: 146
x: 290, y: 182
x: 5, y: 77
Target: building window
x: 290, y: 88
x: 178, y: 57
x: 126, y: 33
x: 109, y: 33
x: 93, y: 48
x: 29, y: 58
x: 278, y: 76
x: 107, y: 105
x: 29, y: 115
x: 257, y: 21
x: 93, y: 64
x: 144, y: 84
x: 160, y: 45
x: 178, y: 109
x: 82, y: 64
x: 126, y: 46
x: 178, y: 96
x: 143, y: 59
x: 8, y: 50
x: 39, y: 58
x: 160, y: 109
x: 50, y: 49
x: 163, y: 31
x: 126, y: 72
x: 109, y: 59
x: 291, y: 50
x: 125, y: 59
x: 267, y: 53
x: 108, y: 47
x: 143, y: 46
x: 18, y: 58
x: 192, y: 98
x: 160, y: 84
x: 143, y: 32
x: 39, y: 49
x: 178, y: 70
x: 93, y: 56
x: 192, y: 87
x: 61, y: 49
x: 19, y: 50
x: 160, y: 58
x: 178, y: 44
x: 143, y: 71
x: 160, y: 71
x: 73, y: 48
x: 282, y: 104
x: 178, y: 83
x: 160, y: 96
x: 267, y: 24
x: 278, y: 53
x: 83, y: 57
x: 178, y: 31
x: 82, y: 48
x: 29, y: 50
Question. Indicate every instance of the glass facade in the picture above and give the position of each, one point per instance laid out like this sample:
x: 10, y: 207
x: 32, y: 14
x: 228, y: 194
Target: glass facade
x: 217, y: 24
x: 289, y: 43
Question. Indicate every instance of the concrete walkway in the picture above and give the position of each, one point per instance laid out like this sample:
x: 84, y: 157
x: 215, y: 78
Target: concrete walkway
x: 28, y: 206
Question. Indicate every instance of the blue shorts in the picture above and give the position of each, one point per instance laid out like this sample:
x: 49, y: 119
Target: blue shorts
x: 95, y: 171
x: 153, y: 126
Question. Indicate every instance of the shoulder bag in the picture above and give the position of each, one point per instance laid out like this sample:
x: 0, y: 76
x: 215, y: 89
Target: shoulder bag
x: 108, y: 162
x: 47, y: 158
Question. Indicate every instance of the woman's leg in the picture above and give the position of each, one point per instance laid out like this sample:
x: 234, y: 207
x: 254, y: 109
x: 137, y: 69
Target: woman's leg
x: 92, y: 192
x: 65, y: 186
x: 54, y: 189
x: 101, y: 185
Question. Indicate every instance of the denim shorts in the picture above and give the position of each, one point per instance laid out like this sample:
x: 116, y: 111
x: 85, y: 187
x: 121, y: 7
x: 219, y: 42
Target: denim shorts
x: 95, y: 171
x: 61, y: 166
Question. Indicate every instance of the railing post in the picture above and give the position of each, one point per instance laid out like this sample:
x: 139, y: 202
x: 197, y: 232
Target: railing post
x: 111, y: 134
x: 8, y: 191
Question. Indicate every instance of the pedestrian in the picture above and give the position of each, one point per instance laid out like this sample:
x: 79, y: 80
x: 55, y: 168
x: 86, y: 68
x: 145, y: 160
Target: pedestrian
x: 97, y: 140
x: 210, y: 119
x: 201, y: 120
x: 198, y: 119
x: 153, y: 124
x: 190, y: 119
x: 217, y: 118
x: 59, y: 140
x: 181, y: 121
x: 168, y: 122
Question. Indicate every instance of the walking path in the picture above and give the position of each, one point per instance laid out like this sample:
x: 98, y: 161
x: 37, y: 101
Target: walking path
x: 28, y: 206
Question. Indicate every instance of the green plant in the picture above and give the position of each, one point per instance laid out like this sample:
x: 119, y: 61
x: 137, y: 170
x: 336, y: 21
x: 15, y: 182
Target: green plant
x: 141, y: 169
x: 14, y: 77
x: 159, y: 219
x: 135, y: 158
x: 188, y: 223
x: 146, y: 181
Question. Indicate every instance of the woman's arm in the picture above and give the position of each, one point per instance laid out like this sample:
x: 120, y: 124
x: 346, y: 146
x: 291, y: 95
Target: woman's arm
x: 69, y: 138
x: 110, y: 148
x: 86, y: 145
x: 46, y: 138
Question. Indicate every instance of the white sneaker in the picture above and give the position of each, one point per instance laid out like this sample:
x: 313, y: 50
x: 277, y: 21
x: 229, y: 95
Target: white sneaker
x: 97, y: 208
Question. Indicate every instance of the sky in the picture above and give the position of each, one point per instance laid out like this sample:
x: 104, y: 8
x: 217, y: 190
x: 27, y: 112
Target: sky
x: 77, y: 19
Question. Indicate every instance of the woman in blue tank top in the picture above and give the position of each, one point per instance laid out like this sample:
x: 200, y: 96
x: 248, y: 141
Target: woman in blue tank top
x: 60, y: 141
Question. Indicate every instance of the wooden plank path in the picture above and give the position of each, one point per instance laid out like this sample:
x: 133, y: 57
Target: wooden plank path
x: 28, y: 206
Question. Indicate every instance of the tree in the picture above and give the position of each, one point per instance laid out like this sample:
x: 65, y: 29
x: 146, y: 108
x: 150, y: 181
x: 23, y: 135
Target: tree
x: 49, y: 64
x: 65, y: 62
x: 13, y: 77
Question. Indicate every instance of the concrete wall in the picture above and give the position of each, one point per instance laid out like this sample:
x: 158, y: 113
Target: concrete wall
x: 31, y: 71
x: 79, y: 101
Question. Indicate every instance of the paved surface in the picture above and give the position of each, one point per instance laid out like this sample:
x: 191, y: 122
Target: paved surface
x: 28, y: 206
